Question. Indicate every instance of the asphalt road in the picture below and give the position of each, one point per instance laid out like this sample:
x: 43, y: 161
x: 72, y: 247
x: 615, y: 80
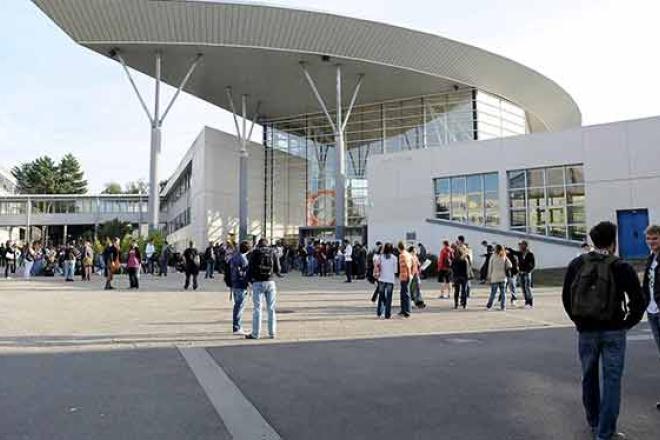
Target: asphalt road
x: 508, y: 385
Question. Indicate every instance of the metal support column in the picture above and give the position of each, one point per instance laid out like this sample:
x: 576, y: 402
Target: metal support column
x: 339, y: 129
x: 156, y: 123
x: 243, y: 136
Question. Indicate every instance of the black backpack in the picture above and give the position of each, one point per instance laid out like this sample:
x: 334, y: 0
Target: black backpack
x: 594, y: 295
x: 262, y: 261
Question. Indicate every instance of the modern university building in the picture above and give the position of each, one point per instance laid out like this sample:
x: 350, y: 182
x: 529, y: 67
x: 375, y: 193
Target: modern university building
x: 370, y: 131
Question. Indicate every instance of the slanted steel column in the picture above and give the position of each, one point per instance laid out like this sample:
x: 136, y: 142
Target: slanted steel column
x: 339, y: 129
x: 156, y: 122
x: 243, y: 136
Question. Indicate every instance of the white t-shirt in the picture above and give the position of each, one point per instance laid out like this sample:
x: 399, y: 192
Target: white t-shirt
x: 653, y: 306
x: 349, y: 253
x: 149, y: 250
x: 387, y: 268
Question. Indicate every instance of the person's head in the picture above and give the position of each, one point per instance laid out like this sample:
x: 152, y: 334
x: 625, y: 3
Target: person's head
x: 653, y: 238
x: 461, y: 239
x: 210, y: 243
x: 412, y: 250
x: 116, y: 241
x: 603, y: 236
x: 244, y: 247
x: 262, y: 242
x: 499, y: 250
x: 378, y: 244
x: 445, y: 243
x: 401, y: 246
x: 388, y: 249
x: 346, y: 242
x: 523, y: 246
x: 191, y: 244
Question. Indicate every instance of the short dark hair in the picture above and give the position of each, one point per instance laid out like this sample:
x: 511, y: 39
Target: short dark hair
x: 262, y: 242
x: 603, y: 235
x: 461, y: 239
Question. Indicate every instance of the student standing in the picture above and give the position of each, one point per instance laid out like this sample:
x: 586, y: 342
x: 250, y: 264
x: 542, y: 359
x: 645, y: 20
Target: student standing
x: 526, y: 264
x: 415, y: 282
x: 460, y: 277
x: 385, y: 269
x: 651, y: 285
x: 28, y: 261
x: 133, y: 264
x: 191, y: 265
x: 238, y: 267
x: 445, y: 260
x: 111, y: 259
x: 348, y: 260
x: 498, y: 266
x: 405, y: 275
x: 594, y: 297
x: 263, y: 263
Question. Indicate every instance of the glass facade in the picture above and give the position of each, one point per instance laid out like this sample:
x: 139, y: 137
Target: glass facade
x: 548, y: 201
x: 180, y: 221
x: 471, y: 199
x: 407, y: 124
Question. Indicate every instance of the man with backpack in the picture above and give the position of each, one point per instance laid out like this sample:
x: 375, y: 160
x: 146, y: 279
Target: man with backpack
x: 594, y: 297
x: 191, y: 263
x: 263, y: 263
x: 236, y: 276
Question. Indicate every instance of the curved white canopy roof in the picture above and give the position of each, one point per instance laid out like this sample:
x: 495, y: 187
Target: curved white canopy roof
x: 256, y: 49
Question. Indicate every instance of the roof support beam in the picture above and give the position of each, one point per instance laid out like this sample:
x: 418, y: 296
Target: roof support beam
x: 191, y: 69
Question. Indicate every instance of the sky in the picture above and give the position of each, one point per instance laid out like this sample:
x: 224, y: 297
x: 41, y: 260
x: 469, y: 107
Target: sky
x: 57, y: 97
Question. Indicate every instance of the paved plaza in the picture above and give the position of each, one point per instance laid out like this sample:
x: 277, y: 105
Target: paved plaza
x: 78, y: 362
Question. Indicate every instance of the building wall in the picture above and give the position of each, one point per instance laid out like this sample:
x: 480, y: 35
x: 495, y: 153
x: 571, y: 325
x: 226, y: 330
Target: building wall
x: 619, y: 166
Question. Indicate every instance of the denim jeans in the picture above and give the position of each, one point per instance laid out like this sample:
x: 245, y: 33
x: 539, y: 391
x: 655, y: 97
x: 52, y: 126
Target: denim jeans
x: 385, y: 299
x: 310, y: 265
x: 268, y: 289
x: 511, y: 286
x: 654, y: 323
x: 239, y: 306
x: 349, y: 270
x: 404, y: 296
x: 460, y: 289
x: 494, y: 287
x: 525, y: 281
x: 210, y: 266
x: 69, y: 269
x: 27, y: 269
x: 416, y: 290
x: 609, y: 349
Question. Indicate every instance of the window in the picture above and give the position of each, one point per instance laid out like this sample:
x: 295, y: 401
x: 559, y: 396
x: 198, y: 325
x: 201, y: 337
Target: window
x: 548, y: 201
x: 472, y: 199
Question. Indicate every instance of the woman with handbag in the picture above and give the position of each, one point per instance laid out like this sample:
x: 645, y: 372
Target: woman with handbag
x: 111, y: 257
x: 133, y: 264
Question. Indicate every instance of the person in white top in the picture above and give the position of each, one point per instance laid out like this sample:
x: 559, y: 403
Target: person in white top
x: 348, y: 260
x: 384, y: 271
x: 651, y: 284
x: 149, y: 251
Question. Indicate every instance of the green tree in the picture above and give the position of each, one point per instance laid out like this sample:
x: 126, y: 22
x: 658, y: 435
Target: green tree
x: 137, y: 187
x: 112, y: 188
x: 71, y: 178
x: 114, y: 228
x: 44, y: 176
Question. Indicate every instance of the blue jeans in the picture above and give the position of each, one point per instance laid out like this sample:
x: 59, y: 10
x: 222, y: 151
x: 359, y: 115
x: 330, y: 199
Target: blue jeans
x: 310, y: 265
x: 460, y: 289
x: 494, y: 287
x: 69, y: 269
x: 239, y: 306
x: 268, y: 289
x: 511, y: 285
x: 525, y: 281
x: 654, y: 323
x: 607, y: 348
x: 210, y: 266
x: 404, y: 296
x: 385, y: 299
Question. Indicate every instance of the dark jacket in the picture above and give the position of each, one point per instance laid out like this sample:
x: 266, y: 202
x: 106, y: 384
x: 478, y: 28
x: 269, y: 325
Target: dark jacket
x: 189, y: 260
x: 626, y: 281
x: 656, y: 287
x: 460, y: 269
x: 238, y: 265
x: 252, y: 275
x: 526, y: 261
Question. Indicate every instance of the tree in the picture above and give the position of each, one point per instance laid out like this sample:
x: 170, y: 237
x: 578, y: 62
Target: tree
x: 43, y: 176
x: 112, y: 188
x: 114, y: 228
x: 70, y: 176
x: 137, y: 187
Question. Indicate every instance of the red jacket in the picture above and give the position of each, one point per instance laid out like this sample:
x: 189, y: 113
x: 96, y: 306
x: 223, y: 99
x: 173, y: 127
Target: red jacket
x: 446, y: 255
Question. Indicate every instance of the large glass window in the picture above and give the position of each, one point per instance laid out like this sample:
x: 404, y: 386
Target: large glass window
x: 472, y: 199
x: 548, y: 201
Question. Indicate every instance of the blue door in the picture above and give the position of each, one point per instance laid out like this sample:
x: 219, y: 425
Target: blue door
x: 632, y: 238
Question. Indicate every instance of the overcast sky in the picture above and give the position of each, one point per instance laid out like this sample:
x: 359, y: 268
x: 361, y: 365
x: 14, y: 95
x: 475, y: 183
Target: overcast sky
x: 57, y: 97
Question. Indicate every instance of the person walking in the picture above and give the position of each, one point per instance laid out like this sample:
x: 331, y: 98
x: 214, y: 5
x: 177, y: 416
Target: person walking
x: 133, y: 264
x: 371, y: 268
x: 111, y: 259
x: 651, y: 284
x: 263, y: 263
x: 70, y: 257
x: 384, y: 270
x: 209, y: 258
x: 405, y: 275
x: 28, y: 260
x: 165, y: 255
x: 415, y: 281
x: 512, y: 275
x: 460, y: 271
x: 594, y: 297
x: 87, y: 261
x: 445, y: 269
x: 238, y: 267
x: 498, y: 266
x: 348, y: 260
x: 526, y: 264
x: 191, y: 263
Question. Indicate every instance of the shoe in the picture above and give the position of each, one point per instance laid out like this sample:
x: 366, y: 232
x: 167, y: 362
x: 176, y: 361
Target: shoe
x: 272, y: 336
x: 406, y: 315
x: 401, y: 314
x: 514, y: 303
x: 421, y: 305
x: 239, y: 332
x: 489, y: 309
x: 528, y: 306
x: 618, y: 436
x: 250, y: 336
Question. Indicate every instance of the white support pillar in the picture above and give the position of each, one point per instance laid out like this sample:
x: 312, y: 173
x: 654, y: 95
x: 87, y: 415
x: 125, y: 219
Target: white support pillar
x: 156, y: 123
x: 243, y: 135
x: 339, y: 129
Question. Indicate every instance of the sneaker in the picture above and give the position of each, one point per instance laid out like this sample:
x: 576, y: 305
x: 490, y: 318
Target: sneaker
x: 528, y: 307
x: 618, y: 436
x: 272, y: 336
x: 514, y: 303
x: 239, y: 332
x: 489, y: 309
x: 250, y: 336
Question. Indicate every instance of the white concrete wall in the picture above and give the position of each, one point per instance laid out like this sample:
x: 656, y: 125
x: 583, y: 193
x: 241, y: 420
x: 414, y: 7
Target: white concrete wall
x: 620, y: 165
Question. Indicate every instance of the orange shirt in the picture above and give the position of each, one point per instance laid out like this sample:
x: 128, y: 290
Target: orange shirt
x: 405, y: 266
